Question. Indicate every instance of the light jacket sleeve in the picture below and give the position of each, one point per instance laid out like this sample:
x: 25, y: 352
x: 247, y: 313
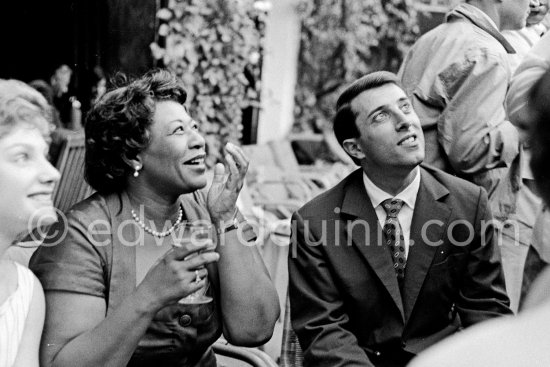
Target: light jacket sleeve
x: 473, y: 129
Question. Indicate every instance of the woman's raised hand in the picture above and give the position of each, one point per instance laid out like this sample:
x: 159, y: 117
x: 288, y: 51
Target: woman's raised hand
x: 174, y: 275
x: 225, y: 189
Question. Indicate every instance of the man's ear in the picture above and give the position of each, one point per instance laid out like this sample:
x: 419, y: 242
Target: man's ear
x: 352, y: 147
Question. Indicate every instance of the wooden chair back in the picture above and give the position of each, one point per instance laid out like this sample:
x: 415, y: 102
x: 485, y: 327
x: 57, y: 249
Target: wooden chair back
x: 291, y: 351
x: 71, y: 187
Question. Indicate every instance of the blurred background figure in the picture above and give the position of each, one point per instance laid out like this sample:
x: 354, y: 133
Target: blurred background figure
x: 521, y: 341
x: 537, y: 252
x: 47, y: 91
x: 524, y: 39
x: 57, y: 92
x: 58, y: 131
x: 27, y: 181
x: 96, y: 81
x: 60, y: 80
x: 100, y: 86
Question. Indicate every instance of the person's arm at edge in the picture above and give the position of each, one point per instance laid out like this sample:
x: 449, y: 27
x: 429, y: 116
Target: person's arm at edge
x: 77, y: 327
x: 27, y: 355
x: 249, y: 301
x: 114, y: 337
x: 483, y: 292
x: 92, y: 338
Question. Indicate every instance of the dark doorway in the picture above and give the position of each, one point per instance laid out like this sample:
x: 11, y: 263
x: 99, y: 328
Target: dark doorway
x: 39, y: 35
x: 36, y: 35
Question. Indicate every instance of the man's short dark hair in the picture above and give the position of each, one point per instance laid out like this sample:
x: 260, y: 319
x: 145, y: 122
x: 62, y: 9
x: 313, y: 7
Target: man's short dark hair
x: 540, y: 135
x: 344, y: 121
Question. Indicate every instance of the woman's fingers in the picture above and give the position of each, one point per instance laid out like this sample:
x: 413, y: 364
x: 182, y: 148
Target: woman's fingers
x: 185, y: 248
x: 228, y: 182
x: 188, y: 275
x: 238, y: 156
x: 191, y: 280
x: 234, y: 173
x: 201, y: 260
x: 219, y: 174
x: 199, y: 274
x: 238, y: 166
x: 193, y: 276
x: 190, y: 257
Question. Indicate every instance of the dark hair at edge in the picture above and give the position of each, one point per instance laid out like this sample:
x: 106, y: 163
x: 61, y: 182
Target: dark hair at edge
x: 540, y: 134
x: 117, y: 126
x: 344, y: 125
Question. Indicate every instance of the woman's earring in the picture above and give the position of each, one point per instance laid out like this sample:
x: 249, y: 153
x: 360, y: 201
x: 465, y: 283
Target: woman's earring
x: 136, y: 171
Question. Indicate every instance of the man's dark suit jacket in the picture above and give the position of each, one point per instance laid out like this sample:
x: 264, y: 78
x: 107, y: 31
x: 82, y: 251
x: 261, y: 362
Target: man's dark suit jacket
x: 346, y: 306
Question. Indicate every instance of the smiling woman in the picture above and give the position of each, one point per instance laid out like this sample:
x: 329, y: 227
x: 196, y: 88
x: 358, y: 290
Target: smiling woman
x: 114, y: 273
x: 175, y: 155
x: 27, y: 180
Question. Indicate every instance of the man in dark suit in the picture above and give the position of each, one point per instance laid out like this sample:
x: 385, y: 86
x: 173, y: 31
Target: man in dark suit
x: 396, y: 256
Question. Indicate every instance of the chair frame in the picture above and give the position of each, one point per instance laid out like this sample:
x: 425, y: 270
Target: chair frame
x: 71, y: 187
x: 254, y: 357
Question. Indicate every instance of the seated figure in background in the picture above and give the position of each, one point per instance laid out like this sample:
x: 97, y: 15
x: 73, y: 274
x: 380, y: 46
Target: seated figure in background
x: 55, y: 93
x: 112, y: 276
x: 60, y: 81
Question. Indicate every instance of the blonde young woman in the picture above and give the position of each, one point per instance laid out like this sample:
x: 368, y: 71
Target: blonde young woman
x: 27, y: 180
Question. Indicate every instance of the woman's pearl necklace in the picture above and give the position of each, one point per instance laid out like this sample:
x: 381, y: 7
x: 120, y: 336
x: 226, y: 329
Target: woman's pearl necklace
x: 156, y: 233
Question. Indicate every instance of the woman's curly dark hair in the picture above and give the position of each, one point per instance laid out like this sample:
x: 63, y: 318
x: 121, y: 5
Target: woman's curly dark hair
x: 117, y: 126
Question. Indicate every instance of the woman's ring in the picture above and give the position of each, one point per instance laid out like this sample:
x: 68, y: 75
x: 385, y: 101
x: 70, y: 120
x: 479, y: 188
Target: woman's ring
x: 197, y: 276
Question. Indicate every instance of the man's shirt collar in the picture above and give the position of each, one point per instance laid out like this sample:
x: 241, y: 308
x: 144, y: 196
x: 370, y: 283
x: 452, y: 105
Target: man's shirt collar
x: 408, y: 195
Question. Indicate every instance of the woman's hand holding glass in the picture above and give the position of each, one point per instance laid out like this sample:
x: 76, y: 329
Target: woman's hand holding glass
x: 196, y: 234
x: 175, y: 275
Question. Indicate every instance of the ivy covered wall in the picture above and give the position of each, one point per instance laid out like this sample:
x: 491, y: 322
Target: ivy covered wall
x: 342, y: 40
x: 214, y: 46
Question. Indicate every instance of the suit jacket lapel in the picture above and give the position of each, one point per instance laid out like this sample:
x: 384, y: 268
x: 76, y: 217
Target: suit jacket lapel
x: 430, y: 219
x: 367, y: 235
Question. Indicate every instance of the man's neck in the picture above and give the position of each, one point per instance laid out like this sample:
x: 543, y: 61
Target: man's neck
x: 392, y: 182
x: 489, y: 9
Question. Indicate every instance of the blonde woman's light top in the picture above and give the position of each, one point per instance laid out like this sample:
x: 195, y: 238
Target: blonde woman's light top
x: 13, y: 313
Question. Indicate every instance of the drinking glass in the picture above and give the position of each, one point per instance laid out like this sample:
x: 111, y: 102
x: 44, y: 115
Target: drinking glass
x: 197, y: 234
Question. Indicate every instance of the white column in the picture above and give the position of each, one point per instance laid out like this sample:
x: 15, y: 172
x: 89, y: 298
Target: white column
x: 280, y: 61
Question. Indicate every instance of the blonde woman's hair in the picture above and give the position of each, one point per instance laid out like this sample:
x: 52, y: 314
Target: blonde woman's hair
x: 22, y: 104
